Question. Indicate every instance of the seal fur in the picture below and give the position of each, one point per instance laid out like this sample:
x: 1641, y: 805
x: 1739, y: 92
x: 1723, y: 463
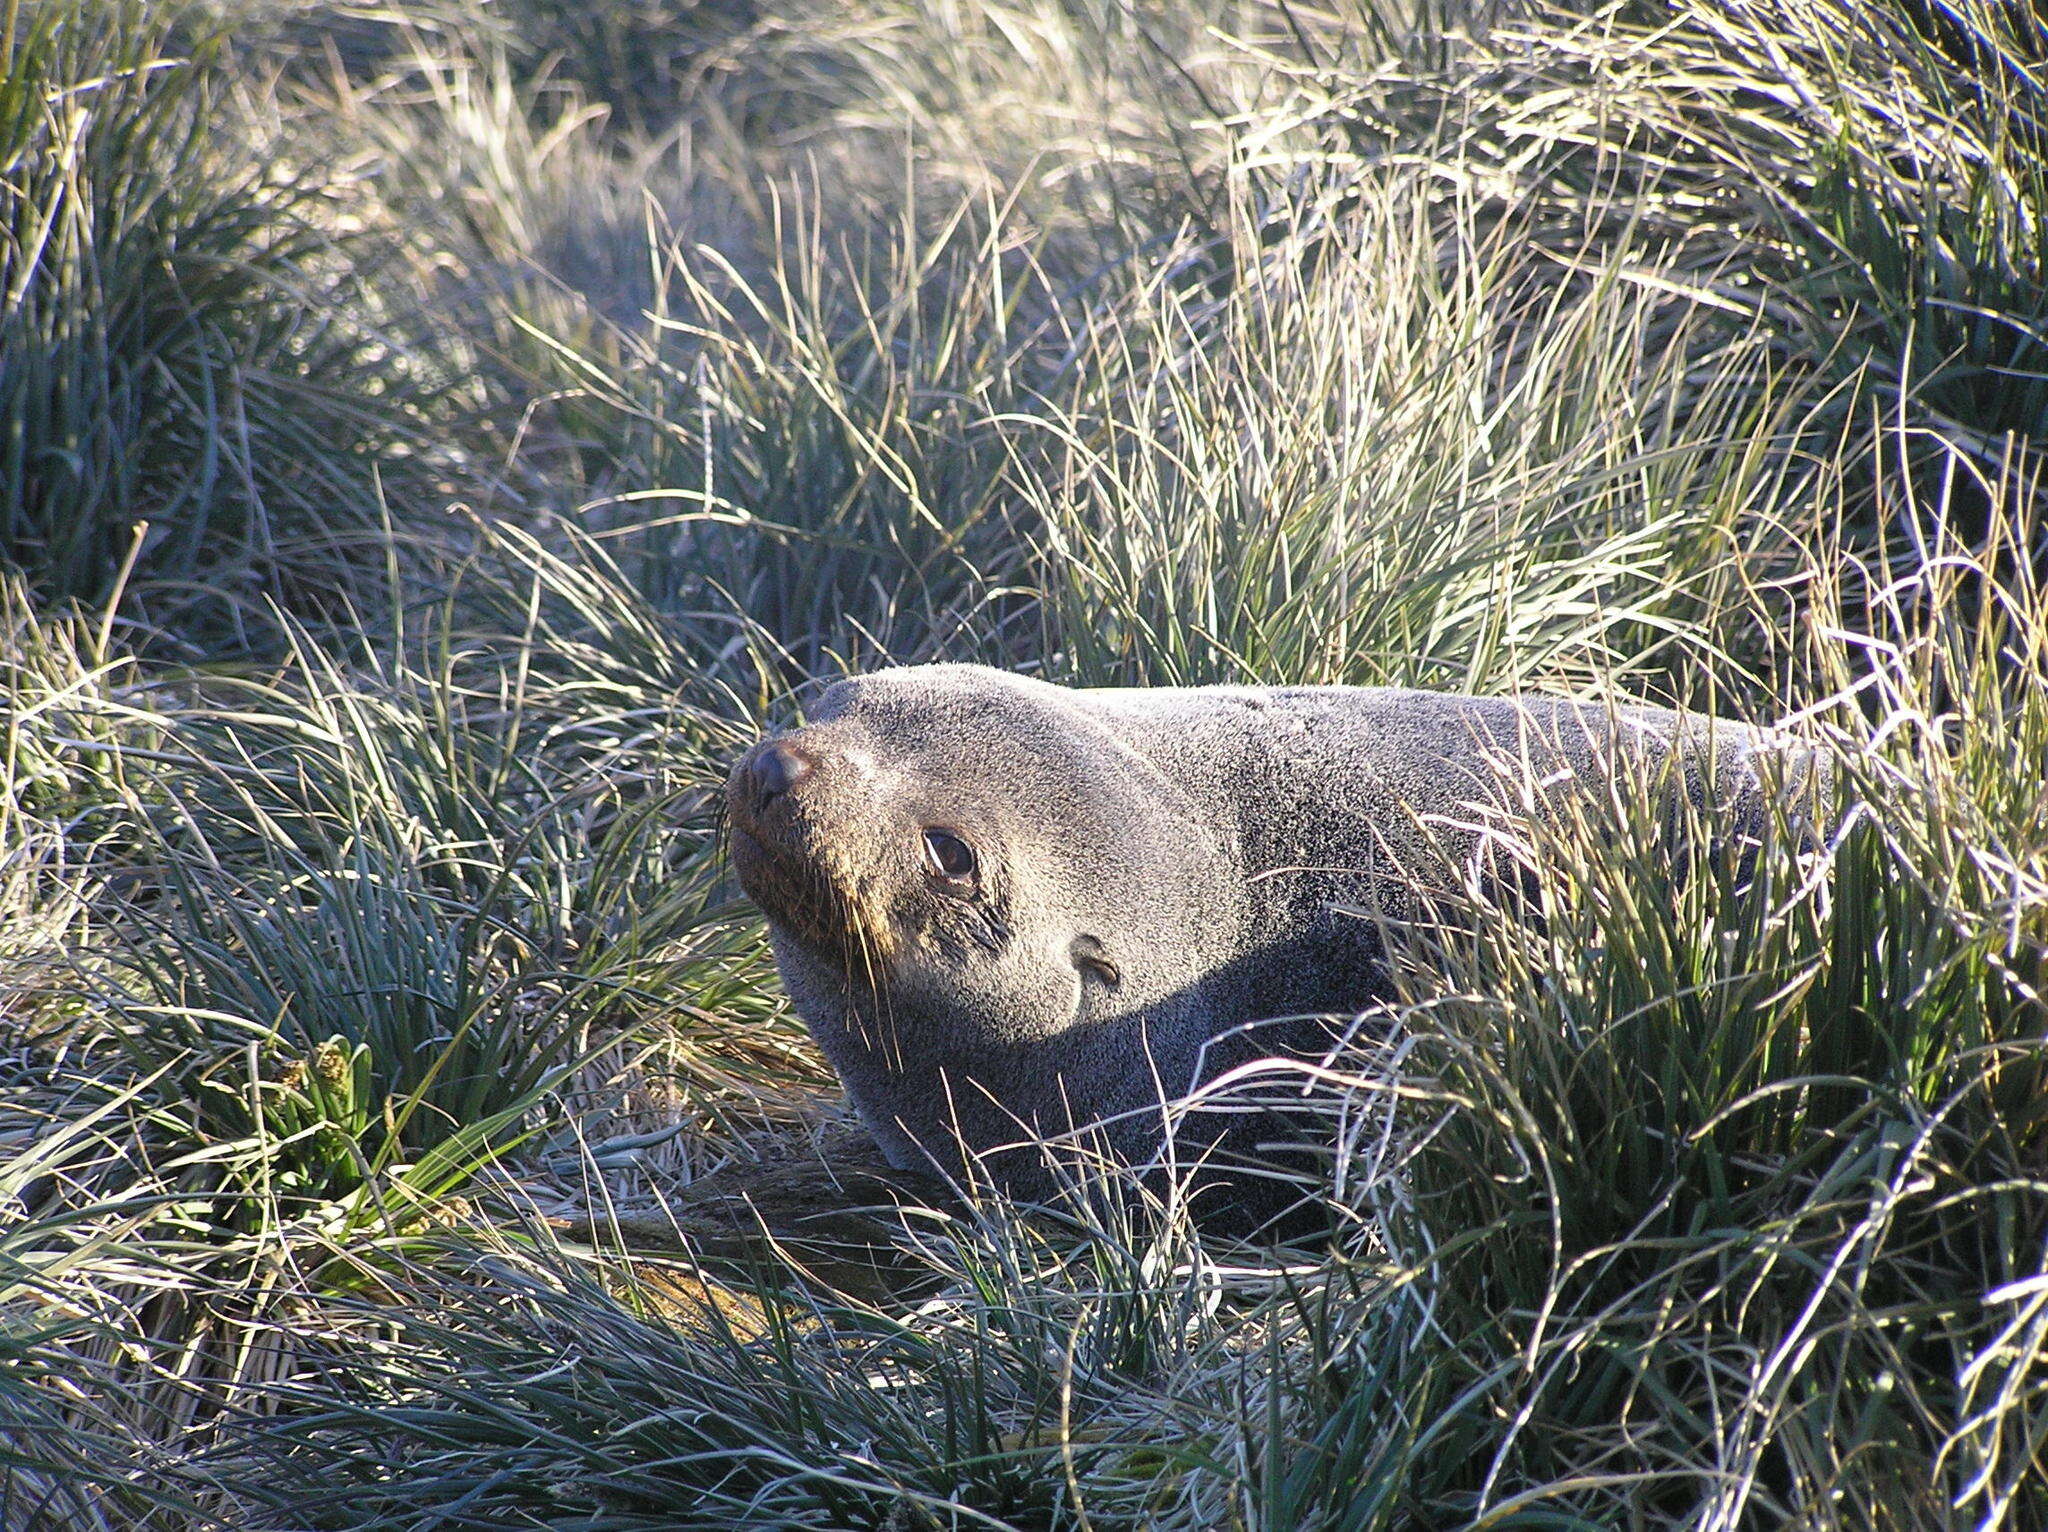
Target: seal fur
x: 1166, y: 882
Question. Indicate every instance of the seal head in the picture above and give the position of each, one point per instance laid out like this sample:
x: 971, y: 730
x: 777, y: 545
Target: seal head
x: 978, y: 896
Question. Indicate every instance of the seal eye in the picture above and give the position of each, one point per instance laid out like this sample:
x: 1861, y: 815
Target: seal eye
x: 949, y: 857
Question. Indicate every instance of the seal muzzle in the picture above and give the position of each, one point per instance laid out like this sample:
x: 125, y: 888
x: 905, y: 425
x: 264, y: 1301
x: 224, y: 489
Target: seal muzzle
x: 782, y: 799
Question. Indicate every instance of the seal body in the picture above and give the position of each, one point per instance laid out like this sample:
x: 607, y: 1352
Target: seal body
x: 1010, y: 910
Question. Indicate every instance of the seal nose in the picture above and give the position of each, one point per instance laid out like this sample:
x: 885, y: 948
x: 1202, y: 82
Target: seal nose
x: 778, y: 768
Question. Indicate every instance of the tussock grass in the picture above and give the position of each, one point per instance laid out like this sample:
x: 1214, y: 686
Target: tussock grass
x: 1357, y: 467
x: 1764, y: 1141
x: 201, y: 380
x: 527, y: 403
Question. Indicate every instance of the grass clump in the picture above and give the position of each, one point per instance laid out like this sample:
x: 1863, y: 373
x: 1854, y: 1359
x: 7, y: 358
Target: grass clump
x: 198, y: 381
x: 1713, y: 1199
x: 1721, y: 1160
x: 387, y: 911
x: 68, y: 1454
x: 1868, y: 179
x: 803, y: 464
x: 825, y: 1417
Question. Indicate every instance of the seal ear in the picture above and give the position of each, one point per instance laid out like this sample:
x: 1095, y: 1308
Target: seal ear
x: 1089, y: 956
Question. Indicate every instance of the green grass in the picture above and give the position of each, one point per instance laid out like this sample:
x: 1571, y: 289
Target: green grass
x: 525, y: 404
x: 204, y: 382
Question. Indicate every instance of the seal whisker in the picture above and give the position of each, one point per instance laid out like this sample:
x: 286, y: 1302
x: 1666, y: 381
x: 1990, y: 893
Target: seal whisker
x: 855, y: 953
x: 885, y: 1018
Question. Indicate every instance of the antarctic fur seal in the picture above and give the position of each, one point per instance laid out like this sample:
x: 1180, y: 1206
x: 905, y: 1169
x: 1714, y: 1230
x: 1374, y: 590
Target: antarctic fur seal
x: 1007, y: 908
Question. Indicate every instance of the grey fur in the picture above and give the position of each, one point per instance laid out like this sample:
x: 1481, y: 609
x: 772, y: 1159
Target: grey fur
x: 1226, y: 854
